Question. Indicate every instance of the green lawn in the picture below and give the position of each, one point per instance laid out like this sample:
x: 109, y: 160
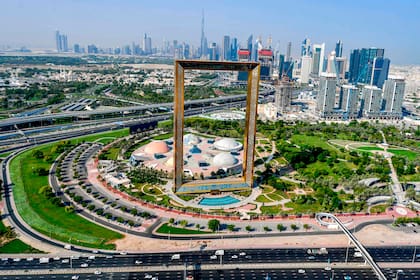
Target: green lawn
x: 112, y: 153
x: 370, y: 148
x: 46, y: 217
x: 3, y: 155
x: 315, y: 141
x: 378, y: 208
x: 2, y: 226
x: 275, y: 196
x: 263, y: 198
x: 405, y: 153
x: 165, y: 228
x: 16, y: 246
x: 163, y: 136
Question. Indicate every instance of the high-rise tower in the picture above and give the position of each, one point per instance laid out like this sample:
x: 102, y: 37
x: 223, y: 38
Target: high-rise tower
x: 393, y: 96
x: 339, y: 48
x: 326, y: 96
x: 203, y: 44
x: 318, y: 59
x: 289, y: 51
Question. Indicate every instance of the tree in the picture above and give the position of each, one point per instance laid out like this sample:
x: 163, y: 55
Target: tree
x: 294, y: 227
x: 197, y: 226
x: 171, y: 221
x: 183, y: 223
x: 306, y: 226
x: 267, y: 229
x: 38, y: 154
x: 410, y: 193
x: 249, y: 228
x: 213, y: 224
x: 231, y: 227
x: 281, y: 227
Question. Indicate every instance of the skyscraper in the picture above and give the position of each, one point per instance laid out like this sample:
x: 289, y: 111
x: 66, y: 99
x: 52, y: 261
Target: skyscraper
x: 371, y: 101
x: 362, y: 66
x: 266, y: 58
x: 283, y: 96
x: 289, y: 51
x: 203, y: 44
x: 305, y: 69
x: 249, y: 44
x: 226, y: 47
x: 349, y: 99
x: 318, y: 59
x: 61, y: 42
x: 306, y: 47
x: 339, y: 48
x: 379, y: 71
x: 147, y: 44
x: 393, y: 95
x: 326, y: 97
x: 234, y: 49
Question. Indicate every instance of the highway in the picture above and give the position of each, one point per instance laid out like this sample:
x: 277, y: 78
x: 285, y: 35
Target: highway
x: 243, y: 256
x: 234, y: 274
x: 127, y: 110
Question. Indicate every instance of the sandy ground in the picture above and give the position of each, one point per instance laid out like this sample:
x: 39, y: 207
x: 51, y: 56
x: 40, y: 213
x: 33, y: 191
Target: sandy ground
x: 373, y: 235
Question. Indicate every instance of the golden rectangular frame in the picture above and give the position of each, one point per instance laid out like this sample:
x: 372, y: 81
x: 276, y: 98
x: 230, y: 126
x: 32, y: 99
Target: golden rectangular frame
x: 253, y: 70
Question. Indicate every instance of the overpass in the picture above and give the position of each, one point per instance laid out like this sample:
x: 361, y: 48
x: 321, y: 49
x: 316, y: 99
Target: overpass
x: 368, y: 258
x: 11, y: 122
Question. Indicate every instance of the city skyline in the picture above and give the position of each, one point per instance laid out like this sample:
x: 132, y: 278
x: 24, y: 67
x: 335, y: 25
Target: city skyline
x: 119, y: 24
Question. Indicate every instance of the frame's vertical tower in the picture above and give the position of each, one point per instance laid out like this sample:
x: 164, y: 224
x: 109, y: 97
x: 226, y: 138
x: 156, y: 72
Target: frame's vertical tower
x: 253, y: 70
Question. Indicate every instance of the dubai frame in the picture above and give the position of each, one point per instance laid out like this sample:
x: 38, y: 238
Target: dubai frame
x: 246, y: 180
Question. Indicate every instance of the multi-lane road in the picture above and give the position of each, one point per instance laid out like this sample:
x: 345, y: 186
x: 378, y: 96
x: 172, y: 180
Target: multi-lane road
x: 245, y: 256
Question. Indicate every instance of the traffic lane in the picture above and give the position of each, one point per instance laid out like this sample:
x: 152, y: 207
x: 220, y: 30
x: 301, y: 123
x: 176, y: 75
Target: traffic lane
x: 236, y: 274
x: 205, y: 257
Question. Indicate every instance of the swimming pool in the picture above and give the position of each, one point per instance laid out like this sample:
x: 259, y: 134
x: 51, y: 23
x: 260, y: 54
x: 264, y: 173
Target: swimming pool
x: 218, y: 201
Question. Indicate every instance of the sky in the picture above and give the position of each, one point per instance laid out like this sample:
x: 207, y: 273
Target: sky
x: 390, y: 24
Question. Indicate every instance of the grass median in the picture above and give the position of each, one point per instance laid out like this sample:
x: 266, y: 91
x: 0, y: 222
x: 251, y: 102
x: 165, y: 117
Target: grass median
x: 46, y: 217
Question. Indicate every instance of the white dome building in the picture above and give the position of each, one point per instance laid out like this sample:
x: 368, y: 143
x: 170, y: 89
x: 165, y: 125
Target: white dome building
x: 224, y: 160
x: 191, y: 139
x: 228, y: 145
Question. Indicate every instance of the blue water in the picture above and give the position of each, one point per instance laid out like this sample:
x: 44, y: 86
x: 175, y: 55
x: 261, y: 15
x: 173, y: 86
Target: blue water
x: 217, y: 201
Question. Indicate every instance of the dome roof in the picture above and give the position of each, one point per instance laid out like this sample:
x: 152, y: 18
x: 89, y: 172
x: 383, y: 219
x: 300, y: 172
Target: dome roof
x: 191, y: 139
x: 224, y: 160
x: 228, y: 144
x: 157, y: 147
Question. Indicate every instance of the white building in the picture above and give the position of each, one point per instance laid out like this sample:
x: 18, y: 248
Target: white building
x: 393, y: 96
x: 318, y: 59
x: 305, y: 69
x: 371, y: 101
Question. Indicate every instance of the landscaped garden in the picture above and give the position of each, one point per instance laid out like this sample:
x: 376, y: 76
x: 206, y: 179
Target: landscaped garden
x: 46, y: 214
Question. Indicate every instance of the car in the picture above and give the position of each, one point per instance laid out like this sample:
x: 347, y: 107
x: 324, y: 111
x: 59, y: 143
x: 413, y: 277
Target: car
x: 347, y: 277
x: 123, y: 253
x: 155, y: 278
x: 301, y: 271
x: 234, y: 257
x: 29, y: 259
x: 327, y: 268
x: 138, y: 262
x: 16, y: 260
x: 4, y: 259
x: 84, y: 265
x: 75, y: 277
x: 56, y: 258
x: 109, y: 257
x: 65, y: 261
x: 213, y: 257
x: 97, y: 272
x: 95, y: 251
x: 311, y: 257
x: 148, y: 276
x: 242, y: 254
x: 91, y: 257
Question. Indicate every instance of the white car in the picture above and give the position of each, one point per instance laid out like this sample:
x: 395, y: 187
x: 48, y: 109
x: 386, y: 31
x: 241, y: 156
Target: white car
x: 97, y: 272
x: 84, y: 265
x: 75, y: 277
x: 65, y: 261
x: 155, y: 278
x: 242, y: 254
x: 301, y: 271
x: 327, y: 268
x: 213, y: 257
x: 29, y: 259
x: 148, y: 276
x: 56, y: 258
x: 138, y: 262
x: 234, y: 257
x: 16, y: 260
